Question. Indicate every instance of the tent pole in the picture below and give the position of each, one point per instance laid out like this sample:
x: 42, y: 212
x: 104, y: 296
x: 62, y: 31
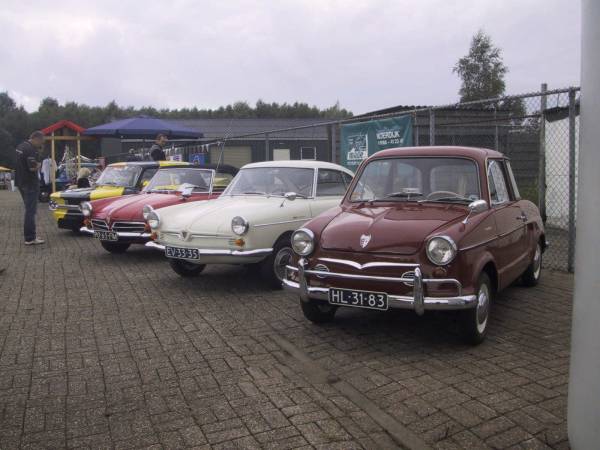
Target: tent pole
x: 52, y: 172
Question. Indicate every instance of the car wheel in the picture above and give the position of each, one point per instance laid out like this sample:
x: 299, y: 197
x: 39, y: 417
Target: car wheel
x: 75, y: 229
x: 474, y: 321
x: 114, y: 247
x: 186, y: 268
x: 531, y: 276
x: 273, y: 268
x: 318, y: 312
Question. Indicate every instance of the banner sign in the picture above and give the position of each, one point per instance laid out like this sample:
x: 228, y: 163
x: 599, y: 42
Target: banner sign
x: 360, y: 140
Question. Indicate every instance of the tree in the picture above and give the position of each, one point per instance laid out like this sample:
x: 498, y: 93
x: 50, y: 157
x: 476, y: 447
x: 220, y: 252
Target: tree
x: 481, y: 70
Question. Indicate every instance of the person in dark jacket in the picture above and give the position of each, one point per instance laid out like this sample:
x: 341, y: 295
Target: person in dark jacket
x: 157, y: 150
x: 28, y: 182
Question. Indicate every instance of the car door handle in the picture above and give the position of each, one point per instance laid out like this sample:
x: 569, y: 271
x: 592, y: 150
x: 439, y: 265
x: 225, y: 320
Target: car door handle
x: 522, y: 217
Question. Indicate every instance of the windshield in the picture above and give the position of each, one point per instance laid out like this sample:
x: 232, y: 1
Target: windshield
x: 272, y: 181
x: 418, y: 179
x: 172, y: 179
x: 119, y: 176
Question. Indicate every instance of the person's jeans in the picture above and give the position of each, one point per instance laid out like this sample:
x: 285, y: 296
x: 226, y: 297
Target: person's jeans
x: 30, y: 200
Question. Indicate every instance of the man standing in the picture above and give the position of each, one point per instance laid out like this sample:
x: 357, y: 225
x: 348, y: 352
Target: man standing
x: 26, y: 179
x: 156, y: 151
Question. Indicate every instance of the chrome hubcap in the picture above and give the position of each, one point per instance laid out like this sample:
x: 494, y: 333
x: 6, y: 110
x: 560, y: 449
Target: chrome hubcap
x: 537, y: 262
x: 282, y: 259
x: 483, y: 308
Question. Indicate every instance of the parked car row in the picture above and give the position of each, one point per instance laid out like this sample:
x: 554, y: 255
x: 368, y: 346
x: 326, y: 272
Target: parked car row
x: 423, y: 228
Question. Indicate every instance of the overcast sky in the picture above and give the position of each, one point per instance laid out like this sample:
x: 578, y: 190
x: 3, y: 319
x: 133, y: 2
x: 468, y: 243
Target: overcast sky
x: 368, y: 54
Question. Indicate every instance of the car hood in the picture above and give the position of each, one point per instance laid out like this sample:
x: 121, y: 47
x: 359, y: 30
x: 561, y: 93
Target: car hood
x: 214, y: 217
x: 399, y: 229
x: 129, y: 207
x: 91, y: 193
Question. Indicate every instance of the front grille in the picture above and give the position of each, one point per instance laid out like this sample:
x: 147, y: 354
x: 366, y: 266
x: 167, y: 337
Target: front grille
x: 129, y: 227
x: 99, y: 225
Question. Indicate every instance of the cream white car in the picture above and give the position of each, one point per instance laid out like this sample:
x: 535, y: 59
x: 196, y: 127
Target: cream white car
x: 252, y: 221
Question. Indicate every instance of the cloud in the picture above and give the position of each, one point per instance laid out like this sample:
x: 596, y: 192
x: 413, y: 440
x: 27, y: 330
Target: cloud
x: 366, y: 54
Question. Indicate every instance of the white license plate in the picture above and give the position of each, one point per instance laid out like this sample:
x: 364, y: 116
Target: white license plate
x: 106, y: 235
x: 358, y: 299
x: 182, y: 253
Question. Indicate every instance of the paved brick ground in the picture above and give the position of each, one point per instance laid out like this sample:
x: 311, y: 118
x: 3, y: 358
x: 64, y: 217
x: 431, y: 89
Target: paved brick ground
x: 103, y: 351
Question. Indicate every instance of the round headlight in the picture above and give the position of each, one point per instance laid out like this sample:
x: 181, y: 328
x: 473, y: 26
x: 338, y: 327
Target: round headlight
x: 303, y: 241
x: 153, y: 219
x: 147, y: 209
x: 86, y: 209
x: 239, y: 225
x: 441, y: 250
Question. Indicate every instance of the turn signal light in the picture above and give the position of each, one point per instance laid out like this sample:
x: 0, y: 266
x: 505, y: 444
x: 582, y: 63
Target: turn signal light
x: 239, y: 242
x: 153, y: 236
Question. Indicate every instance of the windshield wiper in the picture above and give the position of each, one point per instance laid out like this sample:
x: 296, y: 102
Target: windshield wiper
x: 455, y: 198
x: 254, y: 193
x: 398, y: 195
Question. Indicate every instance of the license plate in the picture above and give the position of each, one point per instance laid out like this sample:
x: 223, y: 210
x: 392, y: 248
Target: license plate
x: 358, y: 299
x: 182, y: 253
x: 106, y: 235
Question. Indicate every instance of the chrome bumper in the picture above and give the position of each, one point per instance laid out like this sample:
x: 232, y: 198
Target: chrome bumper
x: 417, y: 302
x: 219, y: 252
x: 121, y: 234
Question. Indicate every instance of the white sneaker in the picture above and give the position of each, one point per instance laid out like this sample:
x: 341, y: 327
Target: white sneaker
x: 36, y: 241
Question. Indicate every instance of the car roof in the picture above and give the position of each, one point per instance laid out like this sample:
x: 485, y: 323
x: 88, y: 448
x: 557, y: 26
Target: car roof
x: 477, y: 153
x: 146, y: 164
x: 307, y: 164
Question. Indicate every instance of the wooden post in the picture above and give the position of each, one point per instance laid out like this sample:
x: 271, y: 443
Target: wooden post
x: 53, y: 156
x: 78, y: 153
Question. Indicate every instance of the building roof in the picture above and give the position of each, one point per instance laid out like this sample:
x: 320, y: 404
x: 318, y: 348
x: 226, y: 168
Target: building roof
x: 214, y: 129
x: 63, y: 124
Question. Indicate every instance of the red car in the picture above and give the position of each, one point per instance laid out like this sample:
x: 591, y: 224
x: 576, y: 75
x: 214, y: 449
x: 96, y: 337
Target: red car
x: 423, y: 228
x: 119, y: 222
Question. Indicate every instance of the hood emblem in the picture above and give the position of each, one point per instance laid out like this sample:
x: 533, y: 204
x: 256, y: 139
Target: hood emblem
x: 183, y: 235
x: 364, y: 240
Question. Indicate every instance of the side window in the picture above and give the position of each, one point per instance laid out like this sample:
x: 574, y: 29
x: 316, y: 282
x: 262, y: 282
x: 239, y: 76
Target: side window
x: 497, y: 183
x: 513, y: 182
x: 330, y: 182
x: 146, y: 176
x: 347, y: 179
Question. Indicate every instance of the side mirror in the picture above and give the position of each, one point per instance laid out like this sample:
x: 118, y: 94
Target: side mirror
x: 476, y: 207
x: 291, y: 196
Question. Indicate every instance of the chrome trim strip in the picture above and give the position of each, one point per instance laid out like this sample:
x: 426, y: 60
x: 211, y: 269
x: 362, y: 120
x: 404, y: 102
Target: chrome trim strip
x: 67, y: 207
x: 470, y: 247
x: 86, y: 230
x: 303, y: 219
x: 367, y: 265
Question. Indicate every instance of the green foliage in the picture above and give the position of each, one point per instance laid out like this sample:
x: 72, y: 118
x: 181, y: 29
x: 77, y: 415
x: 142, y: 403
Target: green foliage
x: 16, y: 124
x: 482, y: 70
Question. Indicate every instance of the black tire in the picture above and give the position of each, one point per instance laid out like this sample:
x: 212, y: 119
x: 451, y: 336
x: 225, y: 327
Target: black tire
x: 272, y: 269
x: 531, y: 276
x: 114, y: 247
x: 317, y: 311
x: 75, y: 229
x: 185, y: 268
x: 475, y: 321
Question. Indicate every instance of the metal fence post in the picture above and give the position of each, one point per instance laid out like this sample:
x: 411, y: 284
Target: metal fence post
x: 542, y: 154
x: 333, y: 143
x: 267, y: 147
x: 431, y: 127
x: 416, y: 131
x: 572, y: 181
x: 495, y: 130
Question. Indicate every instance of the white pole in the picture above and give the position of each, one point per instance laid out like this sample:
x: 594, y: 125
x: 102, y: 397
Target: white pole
x: 584, y: 380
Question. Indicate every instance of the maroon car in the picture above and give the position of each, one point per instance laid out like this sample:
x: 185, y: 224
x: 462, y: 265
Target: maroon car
x: 118, y: 222
x: 423, y: 228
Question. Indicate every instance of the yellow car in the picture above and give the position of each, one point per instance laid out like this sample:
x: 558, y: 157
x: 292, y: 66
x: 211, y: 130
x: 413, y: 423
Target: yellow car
x: 117, y: 179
